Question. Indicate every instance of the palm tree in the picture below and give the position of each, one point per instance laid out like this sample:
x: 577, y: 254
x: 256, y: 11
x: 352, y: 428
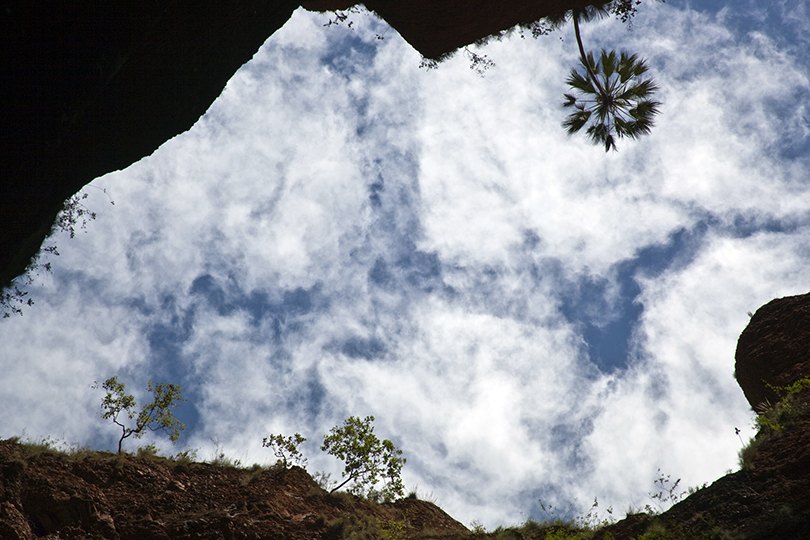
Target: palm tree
x: 613, y: 97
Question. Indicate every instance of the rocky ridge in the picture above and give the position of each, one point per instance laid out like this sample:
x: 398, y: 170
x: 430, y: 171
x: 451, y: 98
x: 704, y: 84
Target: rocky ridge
x: 96, y: 495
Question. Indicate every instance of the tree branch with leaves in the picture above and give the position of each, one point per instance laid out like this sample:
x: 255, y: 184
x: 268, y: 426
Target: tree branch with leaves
x: 367, y: 459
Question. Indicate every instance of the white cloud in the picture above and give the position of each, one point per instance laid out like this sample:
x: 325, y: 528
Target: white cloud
x: 345, y: 234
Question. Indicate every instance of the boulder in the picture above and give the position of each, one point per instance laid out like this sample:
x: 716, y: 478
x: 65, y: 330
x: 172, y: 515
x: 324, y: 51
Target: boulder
x: 774, y: 349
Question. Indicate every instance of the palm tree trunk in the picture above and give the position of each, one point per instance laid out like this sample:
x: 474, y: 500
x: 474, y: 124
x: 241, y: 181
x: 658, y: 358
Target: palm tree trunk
x: 584, y: 58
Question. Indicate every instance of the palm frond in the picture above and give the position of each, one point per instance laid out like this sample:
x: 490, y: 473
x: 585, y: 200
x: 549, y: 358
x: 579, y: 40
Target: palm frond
x: 576, y: 121
x: 580, y: 82
x: 593, y: 12
x: 569, y: 100
x: 645, y: 109
x: 608, y: 63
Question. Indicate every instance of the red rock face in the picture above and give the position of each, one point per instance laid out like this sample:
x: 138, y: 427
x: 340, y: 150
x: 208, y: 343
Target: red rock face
x: 436, y: 27
x: 774, y: 348
x: 103, y: 496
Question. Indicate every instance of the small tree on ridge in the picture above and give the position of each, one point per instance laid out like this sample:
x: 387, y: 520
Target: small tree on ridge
x: 156, y: 415
x: 367, y: 459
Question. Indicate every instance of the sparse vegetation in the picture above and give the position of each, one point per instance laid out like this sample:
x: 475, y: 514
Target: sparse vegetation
x: 74, y: 216
x: 324, y: 480
x: 590, y: 521
x: 252, y: 474
x: 222, y: 460
x: 745, y: 457
x: 286, y: 449
x: 342, y: 16
x: 146, y: 452
x: 156, y: 416
x: 360, y: 518
x: 667, y: 493
x: 786, y: 411
x: 477, y: 528
x: 773, y: 420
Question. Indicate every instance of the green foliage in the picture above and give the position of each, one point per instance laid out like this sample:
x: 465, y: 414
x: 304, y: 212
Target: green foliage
x: 775, y: 418
x: 155, y: 416
x: 28, y: 450
x: 286, y: 449
x: 564, y: 533
x: 477, y: 528
x: 74, y: 214
x: 185, y: 457
x: 360, y: 524
x: 772, y: 420
x: 367, y: 459
x: 392, y: 529
x: 612, y: 98
x: 146, y: 452
x: 663, y: 531
x: 745, y: 456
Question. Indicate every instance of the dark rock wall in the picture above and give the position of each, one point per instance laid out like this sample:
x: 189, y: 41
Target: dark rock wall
x: 91, y: 86
x: 437, y: 27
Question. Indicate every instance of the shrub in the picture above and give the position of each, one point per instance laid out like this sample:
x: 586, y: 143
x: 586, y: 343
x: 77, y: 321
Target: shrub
x: 477, y: 528
x: 772, y: 420
x: 775, y: 418
x: 668, y: 493
x: 156, y: 415
x: 366, y: 458
x: 745, y: 457
x: 392, y: 529
x: 146, y: 452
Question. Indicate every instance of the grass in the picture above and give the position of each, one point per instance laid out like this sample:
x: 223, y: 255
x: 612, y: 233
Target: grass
x: 253, y: 473
x: 29, y: 449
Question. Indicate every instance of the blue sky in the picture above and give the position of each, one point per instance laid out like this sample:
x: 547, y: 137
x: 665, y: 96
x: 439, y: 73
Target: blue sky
x: 527, y: 317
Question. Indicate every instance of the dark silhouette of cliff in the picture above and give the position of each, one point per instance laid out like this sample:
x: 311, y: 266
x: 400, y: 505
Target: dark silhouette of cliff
x: 91, y: 86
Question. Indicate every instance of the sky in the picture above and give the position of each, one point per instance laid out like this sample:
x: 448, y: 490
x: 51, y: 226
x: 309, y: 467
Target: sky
x: 527, y: 317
